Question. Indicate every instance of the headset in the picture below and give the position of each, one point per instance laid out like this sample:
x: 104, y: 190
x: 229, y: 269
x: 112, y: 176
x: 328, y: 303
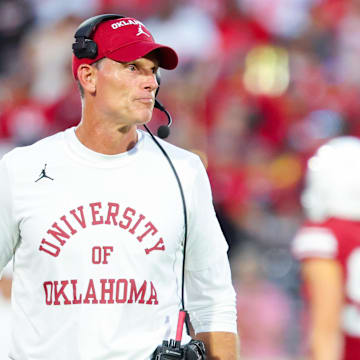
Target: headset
x: 85, y: 47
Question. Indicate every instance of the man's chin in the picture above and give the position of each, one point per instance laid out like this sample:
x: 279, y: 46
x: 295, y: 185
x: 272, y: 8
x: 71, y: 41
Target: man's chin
x: 143, y: 120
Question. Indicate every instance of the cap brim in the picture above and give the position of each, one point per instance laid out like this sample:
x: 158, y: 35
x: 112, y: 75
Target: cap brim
x: 166, y: 56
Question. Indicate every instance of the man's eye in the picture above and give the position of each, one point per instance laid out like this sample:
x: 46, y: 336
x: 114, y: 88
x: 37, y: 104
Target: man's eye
x: 132, y: 67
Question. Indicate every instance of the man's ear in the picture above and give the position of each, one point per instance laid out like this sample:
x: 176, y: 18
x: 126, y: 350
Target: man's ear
x: 87, y: 77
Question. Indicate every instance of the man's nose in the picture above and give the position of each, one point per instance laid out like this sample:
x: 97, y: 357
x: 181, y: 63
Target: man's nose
x: 151, y: 83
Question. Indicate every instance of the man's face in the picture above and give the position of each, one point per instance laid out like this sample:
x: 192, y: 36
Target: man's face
x: 125, y: 92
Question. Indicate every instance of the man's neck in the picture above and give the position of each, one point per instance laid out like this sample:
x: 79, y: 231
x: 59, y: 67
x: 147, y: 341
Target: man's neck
x: 107, y: 140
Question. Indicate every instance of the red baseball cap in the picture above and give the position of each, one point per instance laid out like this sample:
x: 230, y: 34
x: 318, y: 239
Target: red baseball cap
x: 124, y: 40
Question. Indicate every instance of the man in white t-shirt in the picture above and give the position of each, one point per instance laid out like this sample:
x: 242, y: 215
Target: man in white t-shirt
x: 94, y: 219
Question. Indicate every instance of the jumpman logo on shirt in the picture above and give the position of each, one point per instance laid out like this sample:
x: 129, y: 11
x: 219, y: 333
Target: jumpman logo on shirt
x: 43, y: 174
x: 141, y: 31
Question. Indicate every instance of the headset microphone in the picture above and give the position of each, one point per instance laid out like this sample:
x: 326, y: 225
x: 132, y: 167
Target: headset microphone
x: 164, y: 130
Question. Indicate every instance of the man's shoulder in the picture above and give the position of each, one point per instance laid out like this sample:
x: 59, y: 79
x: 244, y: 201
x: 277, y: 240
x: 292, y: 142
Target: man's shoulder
x: 176, y: 153
x: 41, y: 147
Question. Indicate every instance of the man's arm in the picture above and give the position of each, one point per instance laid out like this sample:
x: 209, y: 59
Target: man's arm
x: 211, y: 304
x: 323, y: 280
x: 220, y: 345
x: 9, y: 232
x: 210, y: 296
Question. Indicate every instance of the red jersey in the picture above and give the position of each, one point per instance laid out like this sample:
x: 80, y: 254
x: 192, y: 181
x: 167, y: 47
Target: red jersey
x: 338, y: 239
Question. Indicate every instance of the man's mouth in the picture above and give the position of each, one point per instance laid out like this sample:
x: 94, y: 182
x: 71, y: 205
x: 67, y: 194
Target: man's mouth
x: 146, y: 100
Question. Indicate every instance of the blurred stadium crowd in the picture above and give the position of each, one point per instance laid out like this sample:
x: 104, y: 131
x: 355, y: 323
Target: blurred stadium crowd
x: 260, y: 85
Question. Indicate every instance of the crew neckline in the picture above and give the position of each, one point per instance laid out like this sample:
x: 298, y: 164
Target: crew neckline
x: 91, y: 157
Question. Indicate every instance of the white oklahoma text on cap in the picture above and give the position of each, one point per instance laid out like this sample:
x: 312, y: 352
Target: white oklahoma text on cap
x: 122, y: 23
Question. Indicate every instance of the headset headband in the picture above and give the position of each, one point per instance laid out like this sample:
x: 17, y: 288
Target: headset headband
x: 87, y: 27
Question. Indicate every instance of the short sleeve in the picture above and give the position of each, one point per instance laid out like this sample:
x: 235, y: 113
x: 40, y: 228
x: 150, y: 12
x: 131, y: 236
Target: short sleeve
x: 206, y: 242
x: 8, y: 229
x: 311, y: 242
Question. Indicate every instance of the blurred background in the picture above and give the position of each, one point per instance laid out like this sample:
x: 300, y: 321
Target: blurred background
x: 260, y: 85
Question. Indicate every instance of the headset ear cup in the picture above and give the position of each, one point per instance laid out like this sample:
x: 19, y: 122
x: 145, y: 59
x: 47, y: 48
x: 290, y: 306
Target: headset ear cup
x: 85, y: 48
x: 91, y: 49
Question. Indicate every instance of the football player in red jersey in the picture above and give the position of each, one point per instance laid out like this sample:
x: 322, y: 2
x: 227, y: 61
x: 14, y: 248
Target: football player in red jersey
x: 328, y: 245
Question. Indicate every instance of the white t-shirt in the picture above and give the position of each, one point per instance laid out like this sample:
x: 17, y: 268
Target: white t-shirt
x: 97, y: 242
